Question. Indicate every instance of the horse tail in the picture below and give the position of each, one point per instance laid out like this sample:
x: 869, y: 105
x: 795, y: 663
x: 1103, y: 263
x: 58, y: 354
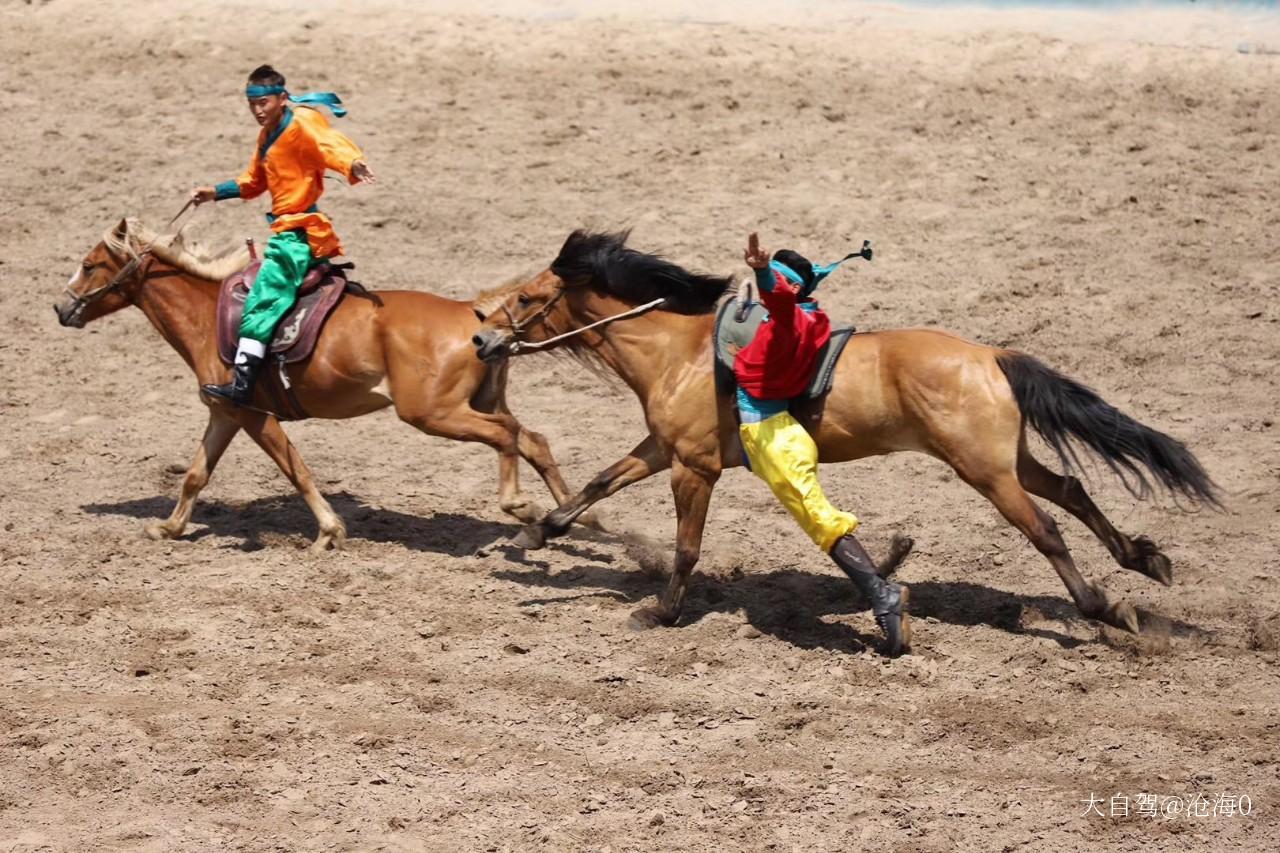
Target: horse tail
x: 1062, y: 410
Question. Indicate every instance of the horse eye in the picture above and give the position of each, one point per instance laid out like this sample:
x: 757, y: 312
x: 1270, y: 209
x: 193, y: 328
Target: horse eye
x: 523, y: 300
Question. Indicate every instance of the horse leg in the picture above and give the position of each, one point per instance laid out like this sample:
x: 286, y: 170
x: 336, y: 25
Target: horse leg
x: 217, y: 436
x: 1016, y: 506
x: 499, y: 430
x: 491, y: 398
x: 1139, y: 554
x: 267, y: 433
x: 692, y: 490
x: 645, y: 460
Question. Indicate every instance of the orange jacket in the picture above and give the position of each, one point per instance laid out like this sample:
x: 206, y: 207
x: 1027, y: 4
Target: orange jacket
x: 290, y: 164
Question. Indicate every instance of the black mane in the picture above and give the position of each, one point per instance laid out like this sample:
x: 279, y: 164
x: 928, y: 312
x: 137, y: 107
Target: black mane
x: 603, y: 262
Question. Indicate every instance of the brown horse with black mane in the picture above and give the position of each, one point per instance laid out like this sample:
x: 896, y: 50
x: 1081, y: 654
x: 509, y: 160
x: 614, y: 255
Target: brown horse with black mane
x: 385, y: 348
x: 903, y: 389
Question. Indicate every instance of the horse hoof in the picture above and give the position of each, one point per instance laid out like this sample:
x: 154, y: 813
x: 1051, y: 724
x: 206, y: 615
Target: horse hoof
x: 647, y: 618
x: 592, y: 519
x: 899, y: 548
x: 530, y: 537
x: 526, y: 511
x: 157, y: 531
x: 334, y: 539
x: 1152, y: 562
x: 1160, y: 568
x: 1122, y: 615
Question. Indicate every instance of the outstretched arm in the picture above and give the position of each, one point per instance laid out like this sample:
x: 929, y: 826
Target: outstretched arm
x: 343, y: 156
x: 777, y: 295
x: 758, y: 259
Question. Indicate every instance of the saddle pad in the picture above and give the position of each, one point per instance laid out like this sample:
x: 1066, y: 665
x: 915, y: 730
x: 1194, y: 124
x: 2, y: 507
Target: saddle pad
x: 297, y: 333
x: 732, y: 335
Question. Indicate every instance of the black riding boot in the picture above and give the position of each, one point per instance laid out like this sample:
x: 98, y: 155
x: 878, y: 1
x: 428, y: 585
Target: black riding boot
x: 888, y: 599
x: 240, y: 389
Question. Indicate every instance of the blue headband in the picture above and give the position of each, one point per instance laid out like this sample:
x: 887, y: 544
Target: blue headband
x: 820, y: 271
x: 319, y: 99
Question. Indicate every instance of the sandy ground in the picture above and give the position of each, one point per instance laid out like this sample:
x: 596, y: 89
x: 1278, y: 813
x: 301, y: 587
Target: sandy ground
x: 1105, y: 204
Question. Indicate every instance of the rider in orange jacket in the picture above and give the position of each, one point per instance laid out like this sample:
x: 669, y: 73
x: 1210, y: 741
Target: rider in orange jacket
x: 295, y: 147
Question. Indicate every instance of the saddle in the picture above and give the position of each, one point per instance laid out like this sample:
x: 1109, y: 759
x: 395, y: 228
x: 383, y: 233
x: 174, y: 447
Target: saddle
x: 295, y: 337
x: 732, y: 334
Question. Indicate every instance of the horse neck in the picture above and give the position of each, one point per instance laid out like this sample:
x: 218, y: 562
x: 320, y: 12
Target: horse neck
x: 181, y: 306
x: 644, y: 350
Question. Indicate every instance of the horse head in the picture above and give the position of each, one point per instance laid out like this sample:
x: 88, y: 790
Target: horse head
x: 106, y: 279
x: 522, y: 317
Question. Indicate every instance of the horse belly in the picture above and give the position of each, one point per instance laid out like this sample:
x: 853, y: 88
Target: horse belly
x: 862, y: 415
x: 346, y: 375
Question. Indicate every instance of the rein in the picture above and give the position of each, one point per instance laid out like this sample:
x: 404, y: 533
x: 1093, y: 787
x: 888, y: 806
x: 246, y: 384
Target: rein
x: 519, y: 346
x: 81, y: 301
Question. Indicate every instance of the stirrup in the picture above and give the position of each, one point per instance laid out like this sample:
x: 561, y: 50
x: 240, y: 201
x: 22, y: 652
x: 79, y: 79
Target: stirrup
x: 227, y: 392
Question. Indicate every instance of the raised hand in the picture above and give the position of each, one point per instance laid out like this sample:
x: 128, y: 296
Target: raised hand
x: 362, y: 173
x: 756, y: 257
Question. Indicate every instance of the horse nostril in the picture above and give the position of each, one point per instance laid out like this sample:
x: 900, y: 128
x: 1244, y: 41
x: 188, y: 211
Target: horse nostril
x: 478, y: 340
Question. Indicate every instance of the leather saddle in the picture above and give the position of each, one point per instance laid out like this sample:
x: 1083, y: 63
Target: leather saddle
x: 295, y: 337
x: 732, y: 334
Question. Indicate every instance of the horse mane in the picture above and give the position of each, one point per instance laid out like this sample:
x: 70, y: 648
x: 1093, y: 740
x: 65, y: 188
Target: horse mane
x: 603, y: 262
x: 173, y: 250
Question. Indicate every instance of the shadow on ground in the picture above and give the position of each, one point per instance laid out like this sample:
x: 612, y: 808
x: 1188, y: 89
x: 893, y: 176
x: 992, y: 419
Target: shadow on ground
x: 449, y: 533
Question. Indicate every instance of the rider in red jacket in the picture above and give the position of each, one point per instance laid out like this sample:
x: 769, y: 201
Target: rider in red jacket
x: 776, y: 366
x: 779, y: 361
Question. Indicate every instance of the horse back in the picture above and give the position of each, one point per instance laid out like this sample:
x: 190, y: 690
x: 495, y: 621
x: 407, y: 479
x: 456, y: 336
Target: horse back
x: 911, y: 389
x: 401, y: 316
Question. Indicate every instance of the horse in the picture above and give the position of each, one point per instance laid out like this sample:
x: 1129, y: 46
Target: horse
x: 921, y: 390
x: 405, y: 349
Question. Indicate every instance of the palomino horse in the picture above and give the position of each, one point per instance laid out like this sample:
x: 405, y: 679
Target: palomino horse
x: 906, y: 389
x: 402, y: 348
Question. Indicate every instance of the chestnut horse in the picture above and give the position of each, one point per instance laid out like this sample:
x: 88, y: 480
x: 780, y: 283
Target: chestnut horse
x: 903, y: 389
x: 385, y: 348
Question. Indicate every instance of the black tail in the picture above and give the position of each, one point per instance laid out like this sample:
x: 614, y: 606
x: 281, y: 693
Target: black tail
x: 1062, y: 410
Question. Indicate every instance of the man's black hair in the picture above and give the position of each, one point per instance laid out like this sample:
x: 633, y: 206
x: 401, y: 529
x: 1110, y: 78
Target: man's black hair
x: 265, y: 75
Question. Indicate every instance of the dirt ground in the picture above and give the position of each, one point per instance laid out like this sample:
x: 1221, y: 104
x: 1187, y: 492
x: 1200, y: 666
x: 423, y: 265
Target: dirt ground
x: 1107, y: 204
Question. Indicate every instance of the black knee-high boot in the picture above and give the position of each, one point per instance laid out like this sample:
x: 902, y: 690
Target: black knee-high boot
x: 888, y: 599
x: 240, y: 389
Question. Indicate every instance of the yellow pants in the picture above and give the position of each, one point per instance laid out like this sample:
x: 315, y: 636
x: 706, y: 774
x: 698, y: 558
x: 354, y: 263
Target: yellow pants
x: 785, y: 456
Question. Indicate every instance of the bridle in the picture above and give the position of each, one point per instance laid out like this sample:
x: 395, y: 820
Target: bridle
x: 139, y: 263
x: 141, y: 257
x: 518, y: 326
x: 540, y: 316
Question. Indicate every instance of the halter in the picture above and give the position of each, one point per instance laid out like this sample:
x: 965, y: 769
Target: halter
x: 81, y: 301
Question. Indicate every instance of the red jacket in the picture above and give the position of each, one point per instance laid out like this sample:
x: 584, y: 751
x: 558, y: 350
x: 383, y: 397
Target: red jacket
x: 780, y: 360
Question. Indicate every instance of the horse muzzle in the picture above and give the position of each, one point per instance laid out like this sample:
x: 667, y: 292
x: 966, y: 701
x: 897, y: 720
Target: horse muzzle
x: 491, y: 345
x: 69, y: 315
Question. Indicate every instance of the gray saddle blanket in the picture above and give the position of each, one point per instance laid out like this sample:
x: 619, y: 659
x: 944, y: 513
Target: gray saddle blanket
x: 732, y: 335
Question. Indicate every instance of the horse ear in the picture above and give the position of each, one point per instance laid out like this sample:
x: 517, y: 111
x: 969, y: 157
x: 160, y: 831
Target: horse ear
x: 479, y: 314
x: 121, y: 230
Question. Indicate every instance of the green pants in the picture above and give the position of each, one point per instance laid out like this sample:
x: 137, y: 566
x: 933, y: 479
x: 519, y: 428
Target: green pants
x: 284, y: 266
